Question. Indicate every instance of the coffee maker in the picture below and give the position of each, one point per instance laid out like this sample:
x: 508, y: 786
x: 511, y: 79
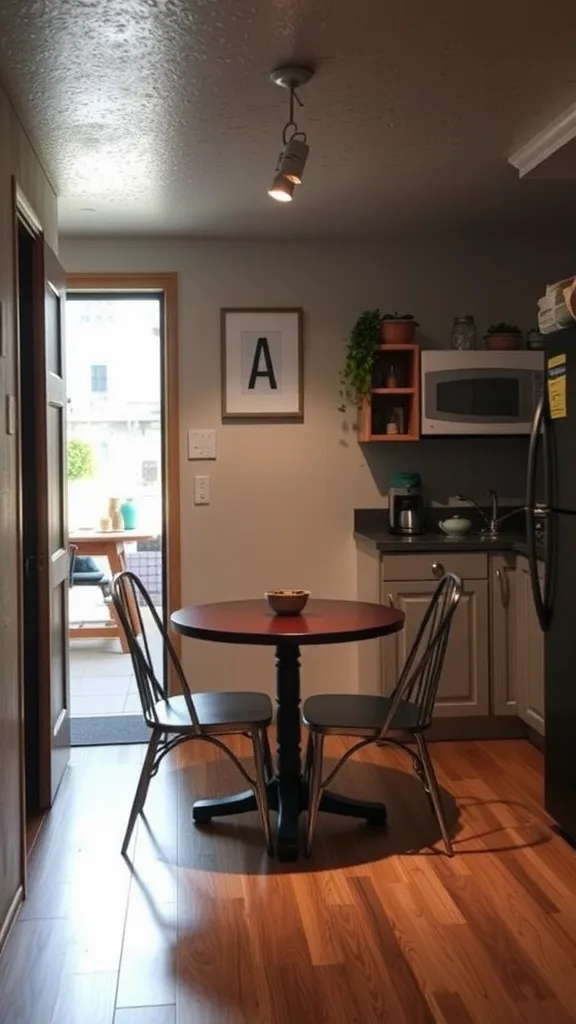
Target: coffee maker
x: 405, y: 504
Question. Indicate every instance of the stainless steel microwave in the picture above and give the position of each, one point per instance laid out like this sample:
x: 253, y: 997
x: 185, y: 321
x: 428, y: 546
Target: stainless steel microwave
x: 479, y: 392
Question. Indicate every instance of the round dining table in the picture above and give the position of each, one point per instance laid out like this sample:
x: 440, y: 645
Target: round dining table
x: 322, y: 622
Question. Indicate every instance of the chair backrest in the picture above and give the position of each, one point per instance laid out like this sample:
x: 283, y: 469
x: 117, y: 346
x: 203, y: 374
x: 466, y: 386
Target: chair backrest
x: 420, y: 676
x: 130, y: 597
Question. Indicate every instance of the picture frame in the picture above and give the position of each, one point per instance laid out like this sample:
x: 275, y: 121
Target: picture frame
x: 262, y: 373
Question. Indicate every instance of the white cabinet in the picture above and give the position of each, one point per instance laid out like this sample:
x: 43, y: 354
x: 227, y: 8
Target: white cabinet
x: 530, y: 650
x: 504, y: 645
x: 494, y: 664
x: 464, y: 687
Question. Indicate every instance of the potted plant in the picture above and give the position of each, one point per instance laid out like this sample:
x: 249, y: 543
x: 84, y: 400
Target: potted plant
x: 503, y: 336
x: 363, y: 343
x: 397, y: 329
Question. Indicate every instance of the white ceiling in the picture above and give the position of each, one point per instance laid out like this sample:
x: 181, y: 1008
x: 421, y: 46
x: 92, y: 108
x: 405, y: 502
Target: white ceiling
x: 158, y: 115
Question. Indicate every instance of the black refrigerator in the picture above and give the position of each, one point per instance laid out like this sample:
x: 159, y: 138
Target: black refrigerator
x: 551, y: 502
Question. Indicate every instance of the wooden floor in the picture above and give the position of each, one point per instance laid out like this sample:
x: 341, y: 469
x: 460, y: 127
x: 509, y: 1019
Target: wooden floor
x: 377, y: 926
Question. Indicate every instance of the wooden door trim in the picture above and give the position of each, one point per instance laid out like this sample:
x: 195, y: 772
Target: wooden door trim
x: 167, y: 283
x: 25, y: 210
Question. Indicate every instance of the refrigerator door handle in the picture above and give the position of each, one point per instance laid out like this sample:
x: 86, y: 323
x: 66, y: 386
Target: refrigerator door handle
x: 532, y: 459
x: 539, y: 425
x: 549, y: 517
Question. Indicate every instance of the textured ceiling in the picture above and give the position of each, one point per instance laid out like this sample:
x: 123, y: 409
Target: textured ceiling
x: 158, y: 115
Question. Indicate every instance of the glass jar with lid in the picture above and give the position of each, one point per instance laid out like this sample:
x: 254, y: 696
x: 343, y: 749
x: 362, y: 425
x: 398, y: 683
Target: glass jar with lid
x: 463, y: 334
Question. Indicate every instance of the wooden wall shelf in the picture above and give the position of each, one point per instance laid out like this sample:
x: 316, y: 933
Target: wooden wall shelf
x: 392, y: 391
x: 395, y: 396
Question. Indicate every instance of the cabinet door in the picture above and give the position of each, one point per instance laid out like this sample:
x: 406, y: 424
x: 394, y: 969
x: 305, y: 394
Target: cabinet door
x: 530, y: 646
x: 464, y: 687
x: 504, y: 635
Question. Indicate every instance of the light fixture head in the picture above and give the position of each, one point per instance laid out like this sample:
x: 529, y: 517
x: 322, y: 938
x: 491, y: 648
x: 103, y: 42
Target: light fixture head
x: 546, y: 143
x: 281, y: 189
x: 293, y: 160
x: 294, y: 155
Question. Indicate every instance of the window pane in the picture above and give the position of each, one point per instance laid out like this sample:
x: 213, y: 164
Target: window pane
x: 99, y: 378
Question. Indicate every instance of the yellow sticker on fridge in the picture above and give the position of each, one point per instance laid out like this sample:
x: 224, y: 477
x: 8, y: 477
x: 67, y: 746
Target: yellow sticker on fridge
x: 557, y: 387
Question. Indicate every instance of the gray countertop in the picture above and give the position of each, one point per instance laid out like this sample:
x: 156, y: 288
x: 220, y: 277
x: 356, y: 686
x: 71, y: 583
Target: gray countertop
x: 370, y: 525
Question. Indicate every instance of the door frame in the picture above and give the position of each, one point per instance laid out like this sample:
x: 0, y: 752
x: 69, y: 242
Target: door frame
x: 167, y: 284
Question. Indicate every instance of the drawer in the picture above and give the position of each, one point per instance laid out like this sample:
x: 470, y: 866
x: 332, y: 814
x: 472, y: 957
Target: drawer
x: 469, y: 565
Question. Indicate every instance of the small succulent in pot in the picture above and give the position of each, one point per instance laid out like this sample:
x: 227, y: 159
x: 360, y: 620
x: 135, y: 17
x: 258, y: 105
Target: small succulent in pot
x: 398, y: 328
x: 363, y: 343
x: 503, y: 336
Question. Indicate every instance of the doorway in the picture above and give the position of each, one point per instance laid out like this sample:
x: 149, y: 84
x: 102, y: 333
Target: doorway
x: 122, y: 495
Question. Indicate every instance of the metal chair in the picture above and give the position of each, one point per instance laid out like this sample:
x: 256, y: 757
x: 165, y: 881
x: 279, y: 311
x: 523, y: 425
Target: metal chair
x: 407, y: 712
x: 202, y: 716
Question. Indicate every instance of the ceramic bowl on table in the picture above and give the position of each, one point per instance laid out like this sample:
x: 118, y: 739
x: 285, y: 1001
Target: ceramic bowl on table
x: 287, y: 602
x: 455, y: 526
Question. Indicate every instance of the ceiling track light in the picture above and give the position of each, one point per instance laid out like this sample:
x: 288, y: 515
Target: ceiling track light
x: 281, y: 189
x: 294, y: 154
x: 546, y: 143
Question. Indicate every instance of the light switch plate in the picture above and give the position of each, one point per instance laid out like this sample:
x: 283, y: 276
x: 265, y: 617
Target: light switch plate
x: 201, y: 444
x: 201, y: 490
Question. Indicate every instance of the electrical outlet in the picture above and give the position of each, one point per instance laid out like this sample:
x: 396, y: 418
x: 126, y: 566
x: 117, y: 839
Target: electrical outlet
x: 201, y: 490
x: 201, y: 444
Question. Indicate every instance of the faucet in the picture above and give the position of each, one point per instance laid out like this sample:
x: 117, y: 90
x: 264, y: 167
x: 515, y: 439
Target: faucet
x: 494, y: 521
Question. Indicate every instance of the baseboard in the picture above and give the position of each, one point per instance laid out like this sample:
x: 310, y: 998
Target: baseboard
x: 478, y: 727
x: 536, y: 739
x: 11, y: 916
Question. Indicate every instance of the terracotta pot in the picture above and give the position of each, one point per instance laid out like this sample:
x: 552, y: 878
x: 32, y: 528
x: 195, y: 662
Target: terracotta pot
x: 397, y: 332
x: 502, y: 342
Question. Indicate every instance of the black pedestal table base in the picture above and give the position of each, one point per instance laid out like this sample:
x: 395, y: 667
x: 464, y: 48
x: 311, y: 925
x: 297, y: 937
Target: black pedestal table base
x: 287, y: 792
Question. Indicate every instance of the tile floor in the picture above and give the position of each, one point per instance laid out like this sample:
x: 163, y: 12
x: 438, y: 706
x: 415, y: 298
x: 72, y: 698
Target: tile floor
x: 101, y: 678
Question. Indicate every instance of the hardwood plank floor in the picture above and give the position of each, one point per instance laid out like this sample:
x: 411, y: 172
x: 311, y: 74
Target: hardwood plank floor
x: 201, y: 926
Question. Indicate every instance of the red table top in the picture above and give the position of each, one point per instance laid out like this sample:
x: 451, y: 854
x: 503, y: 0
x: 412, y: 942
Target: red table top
x: 253, y: 622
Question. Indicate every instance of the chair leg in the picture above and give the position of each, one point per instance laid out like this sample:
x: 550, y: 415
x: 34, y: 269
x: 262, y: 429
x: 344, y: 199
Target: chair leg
x: 314, y: 755
x: 259, y: 746
x: 142, y: 788
x: 419, y: 769
x: 308, y: 759
x: 268, y: 762
x: 434, y: 793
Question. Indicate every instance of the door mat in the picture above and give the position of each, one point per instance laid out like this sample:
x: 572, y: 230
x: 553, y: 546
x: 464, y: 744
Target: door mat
x: 100, y: 730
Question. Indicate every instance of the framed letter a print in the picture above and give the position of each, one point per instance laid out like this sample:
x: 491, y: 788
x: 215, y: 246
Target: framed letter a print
x: 262, y: 373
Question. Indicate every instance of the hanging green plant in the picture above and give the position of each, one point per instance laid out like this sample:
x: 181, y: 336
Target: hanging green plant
x: 356, y: 375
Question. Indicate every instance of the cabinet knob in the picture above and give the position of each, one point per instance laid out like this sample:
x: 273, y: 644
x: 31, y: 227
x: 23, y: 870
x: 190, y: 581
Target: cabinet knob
x: 437, y: 570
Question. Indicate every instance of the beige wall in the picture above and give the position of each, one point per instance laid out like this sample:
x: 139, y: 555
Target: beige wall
x: 282, y: 497
x: 16, y: 158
